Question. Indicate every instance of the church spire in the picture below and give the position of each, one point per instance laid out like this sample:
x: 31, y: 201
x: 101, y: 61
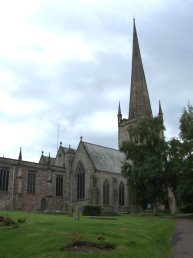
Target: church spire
x: 139, y: 98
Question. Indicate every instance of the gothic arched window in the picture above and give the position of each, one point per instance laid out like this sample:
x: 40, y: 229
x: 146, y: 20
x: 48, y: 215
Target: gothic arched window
x: 106, y: 193
x: 121, y: 194
x: 80, y: 172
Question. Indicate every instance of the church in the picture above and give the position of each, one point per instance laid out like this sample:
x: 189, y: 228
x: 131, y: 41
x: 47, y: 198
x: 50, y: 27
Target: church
x: 88, y: 175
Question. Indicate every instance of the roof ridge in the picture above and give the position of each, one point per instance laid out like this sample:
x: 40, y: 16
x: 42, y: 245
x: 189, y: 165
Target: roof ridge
x: 101, y: 146
x: 48, y: 157
x: 67, y: 148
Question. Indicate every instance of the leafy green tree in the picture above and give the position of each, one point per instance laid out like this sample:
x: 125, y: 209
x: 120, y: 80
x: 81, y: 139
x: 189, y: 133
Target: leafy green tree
x: 186, y: 125
x: 145, y: 162
x: 174, y: 162
x: 184, y: 187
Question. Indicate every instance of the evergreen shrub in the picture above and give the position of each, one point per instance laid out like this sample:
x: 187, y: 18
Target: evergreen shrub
x: 90, y: 210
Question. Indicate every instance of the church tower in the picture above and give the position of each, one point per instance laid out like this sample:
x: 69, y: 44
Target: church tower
x: 139, y: 106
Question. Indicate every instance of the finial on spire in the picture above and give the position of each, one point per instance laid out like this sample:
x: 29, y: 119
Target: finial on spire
x: 119, y: 110
x: 81, y: 138
x: 134, y: 28
x: 60, y: 143
x: 42, y: 153
x: 20, y: 154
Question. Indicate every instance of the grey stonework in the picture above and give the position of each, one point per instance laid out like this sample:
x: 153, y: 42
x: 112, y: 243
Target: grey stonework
x: 92, y: 157
x: 139, y: 106
x: 17, y: 196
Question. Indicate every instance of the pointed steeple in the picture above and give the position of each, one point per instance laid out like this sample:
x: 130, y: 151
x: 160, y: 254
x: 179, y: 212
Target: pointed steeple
x: 139, y: 98
x: 119, y: 115
x: 20, y: 155
x: 160, y: 109
x: 119, y: 110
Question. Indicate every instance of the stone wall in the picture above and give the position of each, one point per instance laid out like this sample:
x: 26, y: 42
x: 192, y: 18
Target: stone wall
x: 123, y: 134
x: 44, y: 197
x: 81, y: 155
x: 114, y: 180
x: 94, y: 181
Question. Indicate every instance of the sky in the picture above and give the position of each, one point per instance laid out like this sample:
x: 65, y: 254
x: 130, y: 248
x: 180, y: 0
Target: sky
x: 66, y: 64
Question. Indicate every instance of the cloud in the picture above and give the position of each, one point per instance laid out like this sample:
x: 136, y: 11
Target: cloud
x: 69, y: 63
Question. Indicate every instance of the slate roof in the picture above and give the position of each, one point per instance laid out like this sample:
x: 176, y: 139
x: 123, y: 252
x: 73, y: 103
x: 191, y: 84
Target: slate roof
x: 69, y: 149
x: 45, y: 159
x: 105, y: 159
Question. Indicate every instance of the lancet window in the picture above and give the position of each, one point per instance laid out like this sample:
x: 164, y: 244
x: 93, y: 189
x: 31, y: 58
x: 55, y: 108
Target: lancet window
x: 4, y: 179
x: 31, y: 182
x: 80, y: 172
x: 121, y: 194
x: 59, y: 186
x: 106, y: 192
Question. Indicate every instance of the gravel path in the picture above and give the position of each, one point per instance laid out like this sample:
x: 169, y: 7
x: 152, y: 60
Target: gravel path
x: 182, y: 239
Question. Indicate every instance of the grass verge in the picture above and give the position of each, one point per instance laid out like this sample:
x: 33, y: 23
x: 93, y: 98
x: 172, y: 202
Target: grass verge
x: 44, y: 236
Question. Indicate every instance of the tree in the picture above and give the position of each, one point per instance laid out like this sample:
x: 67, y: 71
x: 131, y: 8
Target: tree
x: 179, y: 164
x: 173, y: 165
x: 184, y: 187
x: 145, y: 161
x: 186, y: 125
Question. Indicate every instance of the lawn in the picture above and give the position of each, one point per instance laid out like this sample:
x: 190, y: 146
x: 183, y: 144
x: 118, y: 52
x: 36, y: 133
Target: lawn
x: 43, y: 236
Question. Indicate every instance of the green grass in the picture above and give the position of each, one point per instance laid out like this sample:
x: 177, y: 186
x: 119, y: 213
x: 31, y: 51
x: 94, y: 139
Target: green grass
x: 42, y: 236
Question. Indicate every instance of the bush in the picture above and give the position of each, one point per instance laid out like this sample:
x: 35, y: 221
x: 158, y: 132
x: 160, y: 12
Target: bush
x: 9, y: 221
x: 1, y: 218
x: 90, y: 210
x: 77, y: 237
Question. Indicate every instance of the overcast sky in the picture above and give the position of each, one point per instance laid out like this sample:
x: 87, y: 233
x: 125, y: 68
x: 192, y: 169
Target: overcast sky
x: 68, y: 62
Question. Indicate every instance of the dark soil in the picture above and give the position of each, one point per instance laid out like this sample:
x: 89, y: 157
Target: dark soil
x: 87, y: 247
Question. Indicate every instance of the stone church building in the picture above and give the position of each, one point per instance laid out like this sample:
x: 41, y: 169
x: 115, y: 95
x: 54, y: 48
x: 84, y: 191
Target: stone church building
x: 89, y: 175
